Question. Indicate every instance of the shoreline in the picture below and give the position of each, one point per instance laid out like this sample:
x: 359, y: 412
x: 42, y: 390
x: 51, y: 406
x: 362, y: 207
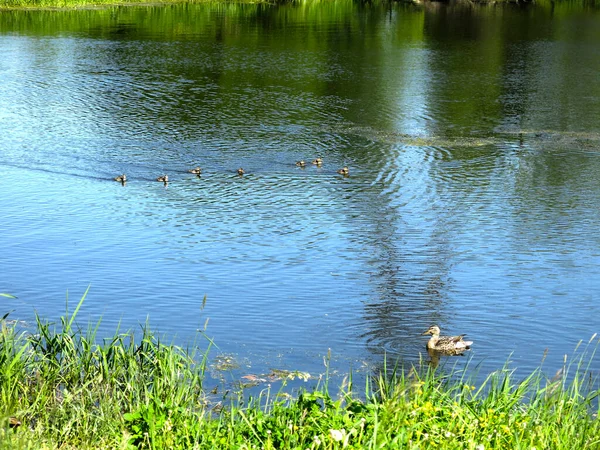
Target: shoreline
x: 94, y: 5
x: 67, y: 5
x: 62, y: 388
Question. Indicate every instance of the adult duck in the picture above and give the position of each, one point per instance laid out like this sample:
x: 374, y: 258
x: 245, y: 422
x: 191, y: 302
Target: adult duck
x: 445, y: 343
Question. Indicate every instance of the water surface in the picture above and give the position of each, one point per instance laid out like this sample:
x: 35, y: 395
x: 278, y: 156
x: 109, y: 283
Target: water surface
x: 471, y: 135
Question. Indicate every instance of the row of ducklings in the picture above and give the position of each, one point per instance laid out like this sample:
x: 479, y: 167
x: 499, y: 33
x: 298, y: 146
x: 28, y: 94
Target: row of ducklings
x: 198, y: 171
x: 319, y: 162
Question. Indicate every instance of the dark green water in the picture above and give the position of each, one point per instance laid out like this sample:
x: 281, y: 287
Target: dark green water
x: 471, y: 135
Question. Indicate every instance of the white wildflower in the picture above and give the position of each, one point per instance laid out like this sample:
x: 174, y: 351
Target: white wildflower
x: 337, y: 435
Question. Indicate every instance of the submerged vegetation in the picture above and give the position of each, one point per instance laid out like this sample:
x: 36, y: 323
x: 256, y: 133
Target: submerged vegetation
x: 60, y: 388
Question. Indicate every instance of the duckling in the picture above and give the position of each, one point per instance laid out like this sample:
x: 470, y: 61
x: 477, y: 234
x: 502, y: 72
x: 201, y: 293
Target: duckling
x: 445, y: 343
x: 196, y: 170
x: 301, y: 163
x: 318, y: 161
x: 344, y: 171
x: 121, y: 178
x: 241, y: 171
x: 164, y: 178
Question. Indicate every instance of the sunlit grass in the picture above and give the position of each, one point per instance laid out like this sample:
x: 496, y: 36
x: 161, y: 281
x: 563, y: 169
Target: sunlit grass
x: 68, y: 389
x: 83, y: 3
x: 90, y: 3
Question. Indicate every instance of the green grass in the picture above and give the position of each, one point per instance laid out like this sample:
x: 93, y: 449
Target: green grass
x: 71, y: 391
x: 70, y: 4
x: 67, y: 4
x: 90, y: 3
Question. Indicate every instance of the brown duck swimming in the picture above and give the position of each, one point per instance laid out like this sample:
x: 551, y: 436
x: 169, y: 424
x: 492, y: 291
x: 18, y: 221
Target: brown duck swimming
x: 445, y: 343
x: 121, y: 178
x: 164, y: 178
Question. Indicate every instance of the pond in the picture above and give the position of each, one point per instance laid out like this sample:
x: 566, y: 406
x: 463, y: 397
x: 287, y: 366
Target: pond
x: 471, y: 137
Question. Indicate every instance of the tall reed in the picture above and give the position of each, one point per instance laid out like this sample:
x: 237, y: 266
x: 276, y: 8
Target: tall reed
x: 67, y: 388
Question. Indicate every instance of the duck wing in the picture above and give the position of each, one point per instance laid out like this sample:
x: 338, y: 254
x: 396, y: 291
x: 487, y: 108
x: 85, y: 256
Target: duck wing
x: 451, y: 339
x: 455, y: 341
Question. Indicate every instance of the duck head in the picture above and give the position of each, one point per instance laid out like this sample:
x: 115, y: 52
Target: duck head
x: 432, y: 330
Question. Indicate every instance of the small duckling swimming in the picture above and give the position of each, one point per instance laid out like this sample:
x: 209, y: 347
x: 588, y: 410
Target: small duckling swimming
x: 196, y: 170
x: 301, y: 163
x: 121, y: 178
x: 241, y: 171
x: 164, y: 178
x: 344, y: 171
x: 318, y: 161
x: 445, y: 343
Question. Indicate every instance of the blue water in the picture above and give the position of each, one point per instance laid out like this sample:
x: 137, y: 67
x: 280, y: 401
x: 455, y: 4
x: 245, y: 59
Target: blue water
x: 472, y: 200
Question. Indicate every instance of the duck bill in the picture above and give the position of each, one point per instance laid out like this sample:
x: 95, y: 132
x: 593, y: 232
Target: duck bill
x: 426, y: 332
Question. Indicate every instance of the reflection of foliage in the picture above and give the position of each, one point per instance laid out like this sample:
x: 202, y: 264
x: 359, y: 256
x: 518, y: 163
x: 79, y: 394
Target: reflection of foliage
x: 186, y: 21
x: 382, y: 62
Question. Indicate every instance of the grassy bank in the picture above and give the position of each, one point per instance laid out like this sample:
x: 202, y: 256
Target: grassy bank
x: 68, y: 391
x: 70, y: 4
